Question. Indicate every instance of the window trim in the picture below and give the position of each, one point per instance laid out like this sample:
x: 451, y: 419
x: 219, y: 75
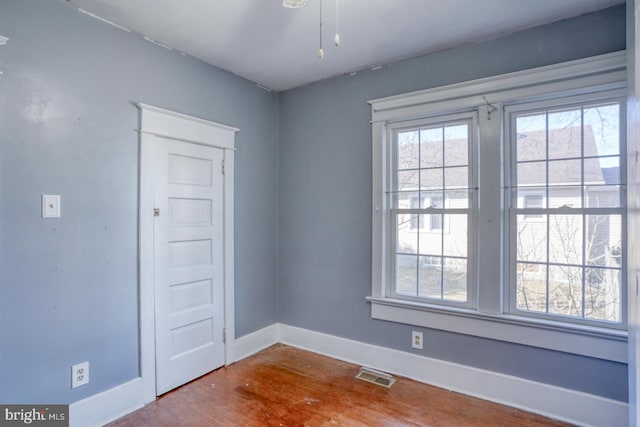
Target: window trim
x: 601, y: 73
x: 577, y: 339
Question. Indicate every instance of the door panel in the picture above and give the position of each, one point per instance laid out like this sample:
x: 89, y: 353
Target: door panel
x: 188, y: 249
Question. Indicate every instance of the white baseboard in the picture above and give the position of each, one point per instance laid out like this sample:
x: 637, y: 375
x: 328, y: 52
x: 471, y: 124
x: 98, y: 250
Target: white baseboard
x: 551, y: 401
x: 102, y: 408
x: 555, y: 402
x: 254, y: 342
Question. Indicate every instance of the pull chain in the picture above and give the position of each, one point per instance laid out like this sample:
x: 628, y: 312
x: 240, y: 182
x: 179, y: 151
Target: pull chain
x: 320, y: 51
x: 336, y: 40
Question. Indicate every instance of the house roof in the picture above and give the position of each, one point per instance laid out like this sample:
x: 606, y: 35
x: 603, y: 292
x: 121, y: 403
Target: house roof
x: 565, y: 150
x: 611, y: 175
x: 564, y: 144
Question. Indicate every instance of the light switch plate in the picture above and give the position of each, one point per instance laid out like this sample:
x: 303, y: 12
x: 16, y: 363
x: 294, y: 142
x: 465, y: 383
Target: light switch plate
x: 50, y: 206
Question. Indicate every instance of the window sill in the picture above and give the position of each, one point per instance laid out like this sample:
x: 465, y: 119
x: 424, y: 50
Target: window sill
x: 582, y: 340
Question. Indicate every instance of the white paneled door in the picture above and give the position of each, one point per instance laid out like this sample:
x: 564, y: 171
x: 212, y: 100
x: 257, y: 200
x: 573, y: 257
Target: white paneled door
x: 188, y: 261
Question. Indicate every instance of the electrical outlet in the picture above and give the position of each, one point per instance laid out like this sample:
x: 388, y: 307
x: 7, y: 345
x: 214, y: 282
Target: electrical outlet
x: 79, y: 374
x: 416, y: 339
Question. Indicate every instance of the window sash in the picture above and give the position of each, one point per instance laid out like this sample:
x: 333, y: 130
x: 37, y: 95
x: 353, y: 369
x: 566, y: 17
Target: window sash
x: 512, y: 212
x: 511, y: 269
x: 427, y: 210
x: 392, y: 290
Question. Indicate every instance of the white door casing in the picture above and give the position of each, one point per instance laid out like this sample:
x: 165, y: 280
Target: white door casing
x: 200, y: 148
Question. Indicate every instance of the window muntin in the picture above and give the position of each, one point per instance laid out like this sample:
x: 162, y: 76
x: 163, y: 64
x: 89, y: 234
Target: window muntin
x: 430, y: 211
x: 568, y: 262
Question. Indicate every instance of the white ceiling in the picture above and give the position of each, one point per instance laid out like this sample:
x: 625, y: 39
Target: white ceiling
x: 277, y: 47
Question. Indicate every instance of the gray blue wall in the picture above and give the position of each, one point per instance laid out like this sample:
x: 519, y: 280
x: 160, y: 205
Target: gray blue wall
x: 325, y: 200
x: 68, y: 286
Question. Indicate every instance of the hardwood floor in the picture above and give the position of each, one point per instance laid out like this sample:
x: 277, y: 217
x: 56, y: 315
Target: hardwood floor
x: 285, y: 386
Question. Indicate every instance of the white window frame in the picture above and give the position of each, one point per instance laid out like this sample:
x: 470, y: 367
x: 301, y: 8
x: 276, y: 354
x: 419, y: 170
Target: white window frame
x: 488, y: 316
x: 392, y: 129
x: 511, y: 213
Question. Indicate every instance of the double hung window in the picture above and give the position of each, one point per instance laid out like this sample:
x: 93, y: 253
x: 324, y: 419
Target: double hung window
x: 432, y: 179
x: 499, y: 208
x: 567, y: 263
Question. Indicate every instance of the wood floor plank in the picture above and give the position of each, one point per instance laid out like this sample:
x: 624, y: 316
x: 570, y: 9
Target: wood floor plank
x: 285, y: 386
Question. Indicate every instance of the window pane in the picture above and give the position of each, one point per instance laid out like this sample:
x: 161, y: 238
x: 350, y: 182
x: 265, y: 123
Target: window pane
x: 565, y: 172
x: 565, y: 290
x: 457, y: 199
x: 523, y: 194
x: 531, y: 239
x: 436, y: 222
x: 609, y: 168
x: 407, y: 235
x: 407, y: 180
x: 532, y: 173
x: 408, y: 144
x: 431, y: 179
x: 430, y: 240
x: 565, y: 196
x: 603, y: 290
x: 531, y: 283
x: 456, y: 145
x: 602, y: 196
x: 431, y: 147
x: 565, y: 136
x: 594, y: 172
x: 455, y: 238
x: 406, y: 274
x: 604, y: 240
x: 455, y: 279
x: 533, y: 201
x: 456, y: 177
x: 531, y: 137
x: 602, y: 130
x: 565, y: 239
x: 430, y: 277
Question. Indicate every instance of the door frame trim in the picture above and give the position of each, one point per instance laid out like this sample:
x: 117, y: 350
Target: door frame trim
x: 157, y: 123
